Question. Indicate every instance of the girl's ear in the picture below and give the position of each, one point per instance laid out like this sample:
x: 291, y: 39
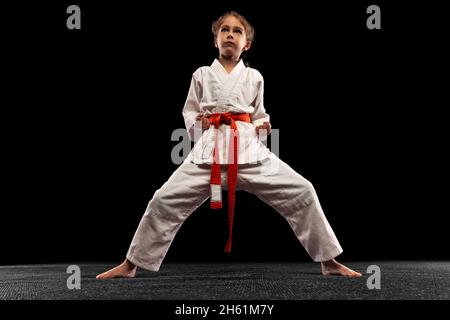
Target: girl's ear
x: 248, y: 45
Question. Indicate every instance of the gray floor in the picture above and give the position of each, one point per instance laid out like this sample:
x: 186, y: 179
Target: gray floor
x: 231, y: 281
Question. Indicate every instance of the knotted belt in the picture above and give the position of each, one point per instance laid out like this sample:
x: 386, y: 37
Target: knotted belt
x: 216, y: 185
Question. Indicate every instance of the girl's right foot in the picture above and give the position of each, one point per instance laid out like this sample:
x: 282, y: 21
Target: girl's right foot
x: 332, y: 267
x: 124, y: 270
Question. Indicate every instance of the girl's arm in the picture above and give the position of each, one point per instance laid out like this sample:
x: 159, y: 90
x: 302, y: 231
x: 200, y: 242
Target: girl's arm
x: 260, y: 119
x: 191, y: 110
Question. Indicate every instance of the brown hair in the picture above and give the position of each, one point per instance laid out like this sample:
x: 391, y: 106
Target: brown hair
x: 249, y: 31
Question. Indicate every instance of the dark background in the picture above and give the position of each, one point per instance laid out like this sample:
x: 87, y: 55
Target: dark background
x: 88, y: 115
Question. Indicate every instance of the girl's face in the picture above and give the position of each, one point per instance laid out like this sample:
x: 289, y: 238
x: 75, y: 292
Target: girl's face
x: 231, y: 39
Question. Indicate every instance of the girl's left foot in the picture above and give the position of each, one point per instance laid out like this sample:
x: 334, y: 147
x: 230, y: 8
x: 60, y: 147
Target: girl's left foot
x: 124, y: 270
x: 332, y: 267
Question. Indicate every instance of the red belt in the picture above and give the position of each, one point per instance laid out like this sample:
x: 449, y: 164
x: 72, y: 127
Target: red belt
x: 227, y: 118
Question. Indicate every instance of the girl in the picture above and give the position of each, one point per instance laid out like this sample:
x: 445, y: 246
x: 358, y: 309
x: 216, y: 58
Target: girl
x: 225, y: 115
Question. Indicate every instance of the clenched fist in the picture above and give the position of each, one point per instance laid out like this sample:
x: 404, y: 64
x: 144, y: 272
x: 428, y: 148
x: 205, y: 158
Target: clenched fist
x: 205, y: 121
x: 265, y: 126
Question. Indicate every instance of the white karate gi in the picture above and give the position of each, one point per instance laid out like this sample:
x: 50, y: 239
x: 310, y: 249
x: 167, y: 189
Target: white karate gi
x: 261, y: 172
x: 213, y: 90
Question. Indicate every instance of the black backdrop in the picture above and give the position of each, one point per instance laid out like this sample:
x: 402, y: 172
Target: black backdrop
x: 88, y: 115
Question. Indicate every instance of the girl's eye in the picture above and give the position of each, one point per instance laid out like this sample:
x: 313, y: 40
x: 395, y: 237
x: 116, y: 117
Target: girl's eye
x: 224, y: 29
x: 238, y: 30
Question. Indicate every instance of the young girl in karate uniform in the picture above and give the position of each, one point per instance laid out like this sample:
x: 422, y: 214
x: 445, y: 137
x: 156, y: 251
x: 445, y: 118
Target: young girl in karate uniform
x: 224, y: 113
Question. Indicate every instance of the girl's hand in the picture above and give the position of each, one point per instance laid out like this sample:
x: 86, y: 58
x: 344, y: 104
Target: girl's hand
x: 265, y: 126
x: 205, y: 121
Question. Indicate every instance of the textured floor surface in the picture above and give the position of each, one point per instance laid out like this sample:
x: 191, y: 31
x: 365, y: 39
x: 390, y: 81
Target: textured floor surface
x: 250, y: 281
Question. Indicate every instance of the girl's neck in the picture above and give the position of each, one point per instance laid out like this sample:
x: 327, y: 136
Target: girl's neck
x: 228, y: 63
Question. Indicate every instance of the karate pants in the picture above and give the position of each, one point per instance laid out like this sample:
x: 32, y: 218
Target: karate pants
x: 271, y: 180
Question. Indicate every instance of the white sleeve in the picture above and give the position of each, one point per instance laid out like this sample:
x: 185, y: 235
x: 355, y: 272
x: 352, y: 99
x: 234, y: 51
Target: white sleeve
x: 192, y: 108
x: 259, y: 116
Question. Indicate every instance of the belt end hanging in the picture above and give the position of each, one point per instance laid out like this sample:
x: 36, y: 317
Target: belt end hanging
x: 228, y: 246
x: 216, y: 196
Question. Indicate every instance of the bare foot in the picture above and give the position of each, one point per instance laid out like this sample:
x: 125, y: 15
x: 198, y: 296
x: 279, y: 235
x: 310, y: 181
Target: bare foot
x: 332, y: 267
x: 124, y: 270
